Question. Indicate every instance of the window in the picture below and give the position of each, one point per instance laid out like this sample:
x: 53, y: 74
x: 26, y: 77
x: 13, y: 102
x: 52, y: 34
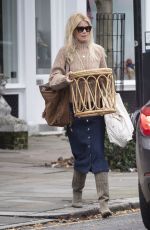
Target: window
x: 8, y: 40
x: 43, y: 35
x: 129, y: 62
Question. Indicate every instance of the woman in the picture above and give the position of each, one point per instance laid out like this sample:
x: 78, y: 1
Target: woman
x: 86, y: 135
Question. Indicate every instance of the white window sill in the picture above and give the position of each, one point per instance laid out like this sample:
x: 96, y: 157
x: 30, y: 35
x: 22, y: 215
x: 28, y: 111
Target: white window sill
x: 15, y: 86
x: 128, y: 85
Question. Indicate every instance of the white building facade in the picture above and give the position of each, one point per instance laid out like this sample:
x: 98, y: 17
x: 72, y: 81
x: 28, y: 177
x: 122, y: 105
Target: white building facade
x: 31, y: 32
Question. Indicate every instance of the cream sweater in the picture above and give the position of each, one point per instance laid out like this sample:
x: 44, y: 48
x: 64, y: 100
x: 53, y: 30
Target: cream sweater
x: 81, y: 61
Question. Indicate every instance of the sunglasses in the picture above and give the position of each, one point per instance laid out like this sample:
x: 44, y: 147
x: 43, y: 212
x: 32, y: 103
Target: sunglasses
x: 80, y: 29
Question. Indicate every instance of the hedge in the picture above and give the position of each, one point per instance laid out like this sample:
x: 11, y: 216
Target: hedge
x: 122, y: 159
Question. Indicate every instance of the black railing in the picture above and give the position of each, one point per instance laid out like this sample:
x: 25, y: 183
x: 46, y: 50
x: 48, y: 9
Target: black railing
x: 13, y: 101
x: 110, y: 33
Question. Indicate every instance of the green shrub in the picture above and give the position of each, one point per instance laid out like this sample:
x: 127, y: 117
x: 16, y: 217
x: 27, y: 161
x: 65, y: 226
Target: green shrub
x: 120, y: 158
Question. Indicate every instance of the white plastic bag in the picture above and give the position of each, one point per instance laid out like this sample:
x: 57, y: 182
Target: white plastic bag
x: 118, y: 125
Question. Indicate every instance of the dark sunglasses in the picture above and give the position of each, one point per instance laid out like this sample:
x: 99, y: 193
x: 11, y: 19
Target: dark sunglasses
x: 80, y: 29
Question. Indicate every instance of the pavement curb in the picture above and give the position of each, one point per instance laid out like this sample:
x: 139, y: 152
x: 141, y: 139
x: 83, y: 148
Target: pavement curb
x: 75, y: 213
x: 90, y: 209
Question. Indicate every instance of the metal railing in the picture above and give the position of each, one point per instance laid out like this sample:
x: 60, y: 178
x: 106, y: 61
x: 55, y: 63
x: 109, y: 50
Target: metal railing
x: 110, y: 33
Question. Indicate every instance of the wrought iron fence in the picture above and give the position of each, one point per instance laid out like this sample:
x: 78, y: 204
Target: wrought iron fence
x: 110, y: 33
x: 13, y: 101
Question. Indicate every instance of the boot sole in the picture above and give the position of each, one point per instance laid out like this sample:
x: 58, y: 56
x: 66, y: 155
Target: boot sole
x: 76, y: 206
x: 106, y: 214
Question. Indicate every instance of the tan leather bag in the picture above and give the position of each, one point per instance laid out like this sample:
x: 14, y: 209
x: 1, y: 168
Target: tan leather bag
x: 56, y: 112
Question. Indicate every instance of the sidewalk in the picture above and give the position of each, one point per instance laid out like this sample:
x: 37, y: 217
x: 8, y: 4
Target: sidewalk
x: 32, y: 192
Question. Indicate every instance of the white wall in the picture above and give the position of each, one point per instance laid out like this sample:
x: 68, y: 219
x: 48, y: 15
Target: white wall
x: 31, y: 103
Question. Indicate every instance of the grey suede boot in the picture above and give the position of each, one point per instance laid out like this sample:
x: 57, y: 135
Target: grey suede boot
x: 78, y: 183
x: 101, y: 180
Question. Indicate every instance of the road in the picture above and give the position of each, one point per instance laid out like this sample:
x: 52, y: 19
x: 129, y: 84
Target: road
x: 123, y: 222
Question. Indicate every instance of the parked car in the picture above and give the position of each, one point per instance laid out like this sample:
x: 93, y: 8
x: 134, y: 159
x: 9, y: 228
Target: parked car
x: 141, y: 121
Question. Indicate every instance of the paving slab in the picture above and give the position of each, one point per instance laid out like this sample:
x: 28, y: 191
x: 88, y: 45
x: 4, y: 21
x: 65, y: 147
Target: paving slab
x: 31, y: 191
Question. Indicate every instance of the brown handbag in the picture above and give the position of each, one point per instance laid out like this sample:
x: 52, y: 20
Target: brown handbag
x: 56, y: 112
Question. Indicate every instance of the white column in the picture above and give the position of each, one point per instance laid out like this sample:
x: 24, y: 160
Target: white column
x: 30, y: 62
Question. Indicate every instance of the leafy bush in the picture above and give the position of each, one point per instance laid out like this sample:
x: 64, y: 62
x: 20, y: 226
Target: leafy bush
x: 120, y: 158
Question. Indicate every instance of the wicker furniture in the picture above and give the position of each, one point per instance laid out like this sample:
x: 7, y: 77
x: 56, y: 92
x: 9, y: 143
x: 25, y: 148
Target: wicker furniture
x: 93, y: 92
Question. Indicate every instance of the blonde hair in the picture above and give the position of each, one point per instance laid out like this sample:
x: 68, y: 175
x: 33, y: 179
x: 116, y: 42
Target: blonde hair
x: 70, y: 44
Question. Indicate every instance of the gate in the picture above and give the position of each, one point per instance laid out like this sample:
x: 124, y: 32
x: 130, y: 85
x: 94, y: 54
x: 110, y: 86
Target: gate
x: 110, y: 33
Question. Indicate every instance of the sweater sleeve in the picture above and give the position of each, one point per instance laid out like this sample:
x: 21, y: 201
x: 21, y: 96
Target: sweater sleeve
x: 58, y: 79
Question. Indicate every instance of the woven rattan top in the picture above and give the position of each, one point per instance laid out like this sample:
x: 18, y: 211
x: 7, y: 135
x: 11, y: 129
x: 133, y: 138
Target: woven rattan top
x: 89, y: 72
